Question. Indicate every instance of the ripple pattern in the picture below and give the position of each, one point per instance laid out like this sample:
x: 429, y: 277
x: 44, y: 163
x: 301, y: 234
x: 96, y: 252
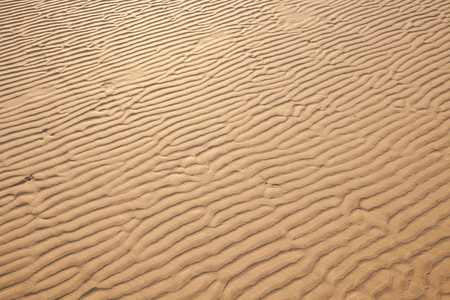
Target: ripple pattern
x: 225, y: 149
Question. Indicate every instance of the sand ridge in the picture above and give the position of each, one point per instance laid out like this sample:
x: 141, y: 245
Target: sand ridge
x: 224, y: 149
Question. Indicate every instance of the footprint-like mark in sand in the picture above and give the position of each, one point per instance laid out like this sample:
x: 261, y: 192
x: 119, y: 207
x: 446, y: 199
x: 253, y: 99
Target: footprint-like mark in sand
x: 272, y: 191
x: 297, y: 110
x: 109, y: 88
x: 46, y: 135
x: 193, y: 165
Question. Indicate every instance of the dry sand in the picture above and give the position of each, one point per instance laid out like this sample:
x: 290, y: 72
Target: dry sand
x: 225, y: 149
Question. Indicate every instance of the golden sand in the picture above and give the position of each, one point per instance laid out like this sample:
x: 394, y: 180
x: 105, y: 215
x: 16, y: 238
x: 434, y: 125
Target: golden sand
x: 225, y: 149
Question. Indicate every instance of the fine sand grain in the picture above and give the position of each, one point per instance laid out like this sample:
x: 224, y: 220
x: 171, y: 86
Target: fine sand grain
x: 225, y: 149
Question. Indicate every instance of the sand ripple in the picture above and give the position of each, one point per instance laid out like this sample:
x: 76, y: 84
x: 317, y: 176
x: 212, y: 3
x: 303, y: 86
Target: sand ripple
x: 224, y: 149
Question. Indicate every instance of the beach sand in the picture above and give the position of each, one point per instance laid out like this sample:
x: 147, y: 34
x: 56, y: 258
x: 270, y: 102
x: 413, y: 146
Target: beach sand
x: 225, y: 149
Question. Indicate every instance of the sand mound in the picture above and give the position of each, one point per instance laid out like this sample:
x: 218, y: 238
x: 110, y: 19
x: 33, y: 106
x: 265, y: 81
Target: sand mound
x: 224, y: 149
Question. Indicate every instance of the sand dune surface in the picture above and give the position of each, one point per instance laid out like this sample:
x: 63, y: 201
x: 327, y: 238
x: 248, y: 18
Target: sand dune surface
x: 181, y: 149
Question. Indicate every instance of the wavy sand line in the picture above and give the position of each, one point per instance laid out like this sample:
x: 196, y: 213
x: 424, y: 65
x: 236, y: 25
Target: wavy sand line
x: 192, y: 149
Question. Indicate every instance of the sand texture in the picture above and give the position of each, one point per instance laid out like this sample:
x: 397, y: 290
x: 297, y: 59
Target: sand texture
x: 279, y: 149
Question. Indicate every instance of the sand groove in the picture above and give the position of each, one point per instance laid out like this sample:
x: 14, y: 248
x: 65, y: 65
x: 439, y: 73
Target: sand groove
x: 224, y: 150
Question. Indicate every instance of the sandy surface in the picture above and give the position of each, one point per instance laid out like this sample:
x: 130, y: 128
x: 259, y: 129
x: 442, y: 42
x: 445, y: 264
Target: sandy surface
x: 225, y: 149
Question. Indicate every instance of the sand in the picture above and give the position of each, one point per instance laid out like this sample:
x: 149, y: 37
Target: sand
x: 225, y: 149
